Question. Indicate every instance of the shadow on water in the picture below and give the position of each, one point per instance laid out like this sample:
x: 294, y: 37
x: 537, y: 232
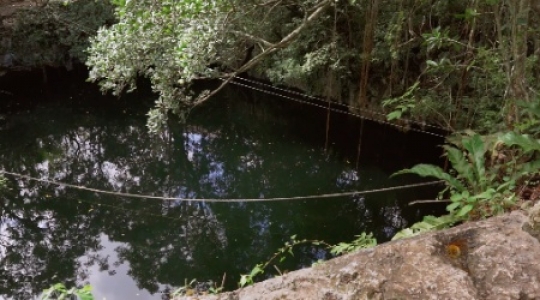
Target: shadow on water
x: 239, y: 145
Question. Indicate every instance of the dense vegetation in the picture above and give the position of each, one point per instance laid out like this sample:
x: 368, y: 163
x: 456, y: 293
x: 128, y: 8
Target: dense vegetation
x: 462, y: 64
x: 459, y: 64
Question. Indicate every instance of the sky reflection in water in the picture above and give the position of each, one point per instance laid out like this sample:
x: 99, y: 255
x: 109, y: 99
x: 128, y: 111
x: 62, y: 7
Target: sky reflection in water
x: 230, y: 148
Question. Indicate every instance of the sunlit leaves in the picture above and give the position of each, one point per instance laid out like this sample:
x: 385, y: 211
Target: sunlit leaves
x: 60, y: 292
x: 166, y: 41
x: 171, y: 41
x: 120, y: 3
x: 362, y: 241
x: 247, y: 279
x: 429, y: 223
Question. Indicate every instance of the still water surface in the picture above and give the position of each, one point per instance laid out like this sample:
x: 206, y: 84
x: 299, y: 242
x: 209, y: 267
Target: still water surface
x: 239, y: 145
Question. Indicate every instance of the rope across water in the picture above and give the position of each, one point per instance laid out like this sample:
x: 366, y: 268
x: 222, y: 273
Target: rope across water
x: 141, y: 196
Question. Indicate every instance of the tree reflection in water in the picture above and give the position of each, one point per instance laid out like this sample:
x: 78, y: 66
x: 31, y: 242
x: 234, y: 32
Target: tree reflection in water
x: 229, y: 149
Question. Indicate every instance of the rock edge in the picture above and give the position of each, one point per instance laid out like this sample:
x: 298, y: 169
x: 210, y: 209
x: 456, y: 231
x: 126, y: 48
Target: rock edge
x: 498, y: 258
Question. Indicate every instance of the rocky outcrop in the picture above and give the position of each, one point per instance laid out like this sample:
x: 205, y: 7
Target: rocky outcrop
x: 498, y: 258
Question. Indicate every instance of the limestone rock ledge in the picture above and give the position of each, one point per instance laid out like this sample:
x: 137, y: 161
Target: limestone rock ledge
x: 498, y: 258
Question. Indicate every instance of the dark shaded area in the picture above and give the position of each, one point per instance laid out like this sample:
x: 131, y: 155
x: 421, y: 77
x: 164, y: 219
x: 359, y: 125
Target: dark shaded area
x: 239, y: 145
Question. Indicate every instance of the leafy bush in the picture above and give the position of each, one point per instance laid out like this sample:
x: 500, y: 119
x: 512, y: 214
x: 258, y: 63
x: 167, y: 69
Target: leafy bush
x: 530, y: 118
x: 485, y: 172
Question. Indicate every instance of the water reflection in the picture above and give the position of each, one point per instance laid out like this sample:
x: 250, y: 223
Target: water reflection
x: 230, y: 149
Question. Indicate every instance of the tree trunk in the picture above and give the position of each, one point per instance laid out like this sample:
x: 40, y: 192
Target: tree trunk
x: 371, y: 20
x: 517, y: 87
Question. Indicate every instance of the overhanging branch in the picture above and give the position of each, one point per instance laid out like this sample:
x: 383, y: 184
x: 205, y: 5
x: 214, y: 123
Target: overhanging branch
x: 317, y: 11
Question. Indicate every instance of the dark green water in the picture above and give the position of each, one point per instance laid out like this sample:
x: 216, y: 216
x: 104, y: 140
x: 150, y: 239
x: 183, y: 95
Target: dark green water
x: 239, y: 145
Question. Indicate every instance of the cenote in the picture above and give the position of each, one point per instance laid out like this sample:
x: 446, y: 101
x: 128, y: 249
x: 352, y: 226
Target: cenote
x: 241, y: 144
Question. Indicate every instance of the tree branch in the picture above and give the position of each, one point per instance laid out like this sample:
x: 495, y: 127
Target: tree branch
x: 318, y: 9
x: 253, y: 38
x: 429, y: 201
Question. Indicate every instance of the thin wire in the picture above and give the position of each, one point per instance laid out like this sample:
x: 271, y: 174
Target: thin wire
x: 336, y: 110
x: 142, y: 212
x: 225, y: 200
x: 409, y: 121
x: 292, y: 92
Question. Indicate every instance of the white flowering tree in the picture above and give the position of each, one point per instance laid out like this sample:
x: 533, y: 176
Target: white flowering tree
x: 174, y: 42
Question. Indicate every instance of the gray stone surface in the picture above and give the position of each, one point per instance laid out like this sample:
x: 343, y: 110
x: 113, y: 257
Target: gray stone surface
x: 498, y: 258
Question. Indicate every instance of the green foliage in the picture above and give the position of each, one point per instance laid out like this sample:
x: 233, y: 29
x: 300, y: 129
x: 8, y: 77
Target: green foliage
x: 281, y: 253
x: 60, y: 292
x: 171, y: 42
x: 58, y: 33
x: 525, y: 142
x: 195, y: 287
x: 530, y: 118
x: 362, y: 241
x: 426, y: 170
x: 464, y: 79
x: 455, y: 71
x: 187, y: 289
x: 477, y: 190
x: 429, y: 223
x: 247, y: 279
x: 401, y: 104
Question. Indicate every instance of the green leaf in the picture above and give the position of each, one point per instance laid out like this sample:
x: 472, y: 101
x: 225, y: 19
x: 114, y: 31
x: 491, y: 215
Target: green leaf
x: 256, y: 270
x: 85, y: 293
x: 431, y: 63
x: 120, y: 3
x: 426, y: 170
x: 394, y: 115
x: 85, y: 296
x: 477, y: 150
x: 244, y: 280
x: 60, y: 287
x: 488, y: 194
x: 471, y: 13
x: 404, y: 233
x: 458, y: 197
x: 427, y: 224
x: 460, y: 163
x: 528, y: 168
x: 450, y: 208
x: 464, y: 210
x: 524, y: 141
